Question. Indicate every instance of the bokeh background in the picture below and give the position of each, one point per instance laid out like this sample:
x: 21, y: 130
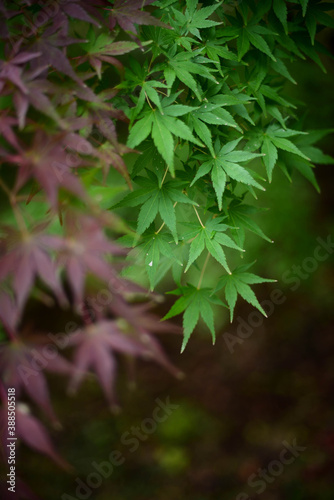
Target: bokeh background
x: 234, y: 409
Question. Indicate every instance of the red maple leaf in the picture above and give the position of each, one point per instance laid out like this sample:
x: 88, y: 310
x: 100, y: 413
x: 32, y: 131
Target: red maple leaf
x: 49, y: 45
x: 96, y: 345
x: 11, y: 69
x: 35, y: 96
x: 144, y: 324
x: 83, y: 250
x: 47, y: 161
x: 31, y: 432
x: 25, y: 256
x: 127, y: 13
x: 22, y: 367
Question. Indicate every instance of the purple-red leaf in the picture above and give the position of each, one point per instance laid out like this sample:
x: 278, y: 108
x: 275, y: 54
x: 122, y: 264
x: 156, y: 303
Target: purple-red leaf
x: 47, y: 161
x: 95, y: 348
x: 22, y: 367
x: 34, y: 434
x: 26, y: 256
x: 127, y: 13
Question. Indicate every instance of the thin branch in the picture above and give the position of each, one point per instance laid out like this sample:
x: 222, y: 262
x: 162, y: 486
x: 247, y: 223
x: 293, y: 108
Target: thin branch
x: 203, y: 271
x: 150, y: 105
x: 198, y: 217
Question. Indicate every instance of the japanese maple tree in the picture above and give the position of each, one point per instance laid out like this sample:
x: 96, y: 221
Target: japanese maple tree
x: 134, y: 136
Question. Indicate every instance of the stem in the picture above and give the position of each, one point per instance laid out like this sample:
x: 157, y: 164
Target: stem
x: 203, y: 271
x: 198, y: 217
x: 147, y: 99
x: 164, y: 177
x: 197, y: 149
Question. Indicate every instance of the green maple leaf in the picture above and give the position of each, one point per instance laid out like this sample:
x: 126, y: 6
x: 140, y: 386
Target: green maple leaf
x: 316, y: 156
x: 281, y: 11
x: 155, y: 198
x: 226, y: 163
x: 238, y: 283
x: 192, y: 20
x: 213, y: 112
x: 194, y: 302
x: 316, y: 13
x: 216, y: 49
x: 239, y: 216
x: 277, y: 138
x: 156, y: 248
x: 212, y: 237
x: 247, y: 35
x: 183, y: 66
x: 163, y: 124
x: 304, y: 4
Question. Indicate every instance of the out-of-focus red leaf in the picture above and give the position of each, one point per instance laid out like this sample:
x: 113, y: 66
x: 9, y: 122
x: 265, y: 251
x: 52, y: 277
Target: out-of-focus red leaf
x: 95, y: 348
x: 127, y: 13
x: 83, y: 250
x: 22, y: 367
x: 34, y: 434
x: 47, y: 161
x: 24, y: 257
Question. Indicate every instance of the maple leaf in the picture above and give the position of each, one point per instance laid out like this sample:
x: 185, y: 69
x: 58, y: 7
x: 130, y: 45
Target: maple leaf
x: 142, y: 324
x: 82, y: 250
x: 127, y: 13
x: 109, y: 155
x: 156, y: 197
x: 193, y: 303
x: 247, y: 34
x: 100, y: 111
x: 275, y: 138
x: 212, y: 237
x: 305, y: 142
x: 192, y: 20
x: 153, y: 247
x: 238, y: 283
x: 31, y: 432
x: 96, y: 345
x: 79, y: 9
x: 213, y: 112
x: 103, y: 49
x: 163, y: 125
x: 47, y: 161
x: 225, y: 163
x: 49, y: 45
x: 184, y: 65
x: 239, y: 217
x: 316, y: 12
x: 136, y: 75
x: 34, y: 95
x: 26, y: 256
x: 11, y: 69
x: 22, y: 367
